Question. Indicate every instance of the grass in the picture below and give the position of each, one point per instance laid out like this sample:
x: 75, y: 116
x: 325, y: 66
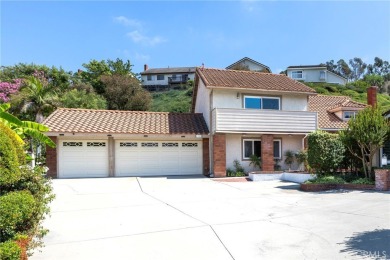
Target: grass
x: 172, y: 101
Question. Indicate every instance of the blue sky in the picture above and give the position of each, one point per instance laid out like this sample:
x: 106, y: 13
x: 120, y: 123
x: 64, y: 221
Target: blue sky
x: 189, y: 33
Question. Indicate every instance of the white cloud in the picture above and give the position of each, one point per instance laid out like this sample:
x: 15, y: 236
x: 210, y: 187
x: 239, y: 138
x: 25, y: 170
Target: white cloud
x: 142, y: 57
x: 128, y: 22
x: 138, y: 37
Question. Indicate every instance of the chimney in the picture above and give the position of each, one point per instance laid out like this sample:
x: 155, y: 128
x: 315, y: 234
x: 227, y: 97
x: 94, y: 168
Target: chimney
x: 146, y: 67
x: 371, y: 96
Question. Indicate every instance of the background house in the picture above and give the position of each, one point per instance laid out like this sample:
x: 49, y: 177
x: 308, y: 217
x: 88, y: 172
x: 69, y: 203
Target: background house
x: 314, y: 73
x: 252, y: 113
x: 165, y: 78
x: 248, y: 64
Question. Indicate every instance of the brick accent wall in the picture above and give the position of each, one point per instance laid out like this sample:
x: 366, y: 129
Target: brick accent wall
x: 382, y: 179
x: 267, y: 153
x: 219, y: 155
x: 206, y: 156
x: 51, y: 159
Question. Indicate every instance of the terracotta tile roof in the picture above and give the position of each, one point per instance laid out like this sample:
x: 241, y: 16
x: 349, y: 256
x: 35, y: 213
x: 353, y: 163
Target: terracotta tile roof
x: 322, y: 104
x: 70, y: 120
x: 251, y: 80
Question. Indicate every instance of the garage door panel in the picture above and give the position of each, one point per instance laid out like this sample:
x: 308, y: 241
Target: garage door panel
x: 81, y: 160
x: 158, y: 158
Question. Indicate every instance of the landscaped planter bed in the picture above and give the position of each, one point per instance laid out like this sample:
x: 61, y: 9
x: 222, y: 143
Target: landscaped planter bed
x: 324, y: 187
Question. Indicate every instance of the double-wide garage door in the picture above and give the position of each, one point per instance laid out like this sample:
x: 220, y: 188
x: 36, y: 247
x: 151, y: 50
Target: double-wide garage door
x: 86, y: 158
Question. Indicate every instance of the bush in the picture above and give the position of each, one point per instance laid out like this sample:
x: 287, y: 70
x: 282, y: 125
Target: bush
x: 325, y: 153
x: 16, y: 208
x: 301, y: 157
x: 9, y: 159
x: 10, y: 251
x: 327, y: 180
x: 363, y: 181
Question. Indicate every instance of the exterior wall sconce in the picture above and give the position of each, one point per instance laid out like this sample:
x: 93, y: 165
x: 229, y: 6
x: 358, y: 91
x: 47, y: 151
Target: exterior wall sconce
x: 238, y: 95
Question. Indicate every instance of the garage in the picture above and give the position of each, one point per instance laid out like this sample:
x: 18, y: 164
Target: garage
x: 156, y: 158
x: 112, y: 143
x: 83, y: 158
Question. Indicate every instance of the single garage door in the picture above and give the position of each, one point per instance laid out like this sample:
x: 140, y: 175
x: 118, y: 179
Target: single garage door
x: 87, y: 158
x: 154, y: 158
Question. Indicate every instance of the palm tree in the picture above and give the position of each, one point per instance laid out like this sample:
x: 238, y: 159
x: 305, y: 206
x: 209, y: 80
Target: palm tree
x: 36, y: 98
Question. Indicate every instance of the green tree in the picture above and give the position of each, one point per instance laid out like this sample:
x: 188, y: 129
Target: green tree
x: 96, y: 69
x: 358, y: 68
x: 325, y: 152
x: 369, y: 129
x: 35, y: 99
x: 125, y: 93
x: 82, y: 99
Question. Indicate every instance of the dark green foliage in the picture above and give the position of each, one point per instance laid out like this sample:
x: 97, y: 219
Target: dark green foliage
x: 289, y: 158
x: 368, y: 130
x: 82, y: 99
x: 10, y: 250
x: 255, y: 162
x: 363, y: 181
x: 9, y: 159
x: 301, y: 157
x: 16, y: 208
x: 325, y: 153
x: 327, y: 180
x: 125, y: 93
x: 238, y: 171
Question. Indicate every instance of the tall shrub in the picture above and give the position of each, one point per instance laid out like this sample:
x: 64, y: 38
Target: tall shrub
x: 325, y: 152
x: 369, y: 130
x: 9, y: 159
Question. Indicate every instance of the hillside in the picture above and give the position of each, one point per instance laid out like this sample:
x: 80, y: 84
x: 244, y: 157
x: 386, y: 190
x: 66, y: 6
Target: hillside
x: 358, y: 94
x: 180, y: 100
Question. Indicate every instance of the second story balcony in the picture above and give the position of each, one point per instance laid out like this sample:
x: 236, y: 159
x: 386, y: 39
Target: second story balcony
x: 178, y: 79
x: 231, y: 120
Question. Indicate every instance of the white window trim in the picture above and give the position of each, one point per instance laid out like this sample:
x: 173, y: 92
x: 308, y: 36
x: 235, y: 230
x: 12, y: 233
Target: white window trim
x: 346, y: 119
x: 261, y: 97
x: 254, y: 139
x: 292, y: 74
x: 280, y: 148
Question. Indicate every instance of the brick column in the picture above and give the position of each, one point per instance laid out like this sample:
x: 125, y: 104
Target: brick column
x: 51, y: 159
x: 206, y: 156
x: 382, y: 179
x: 267, y: 153
x: 219, y: 155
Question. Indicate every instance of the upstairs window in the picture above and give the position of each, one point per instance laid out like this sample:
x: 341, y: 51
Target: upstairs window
x: 297, y: 74
x: 253, y: 102
x: 348, y: 115
x: 160, y: 77
x: 149, y: 77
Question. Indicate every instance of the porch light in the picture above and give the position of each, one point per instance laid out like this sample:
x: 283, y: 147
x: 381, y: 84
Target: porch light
x: 61, y: 134
x: 238, y: 95
x: 198, y: 136
x: 145, y: 135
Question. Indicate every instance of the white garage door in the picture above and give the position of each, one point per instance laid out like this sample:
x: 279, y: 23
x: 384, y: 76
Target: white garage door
x: 87, y: 158
x: 154, y: 158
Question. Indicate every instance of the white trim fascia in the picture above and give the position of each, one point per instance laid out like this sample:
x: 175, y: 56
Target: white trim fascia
x: 262, y: 133
x: 264, y: 90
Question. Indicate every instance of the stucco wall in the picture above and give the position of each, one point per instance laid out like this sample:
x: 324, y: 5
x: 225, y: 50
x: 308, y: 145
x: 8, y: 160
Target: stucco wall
x: 234, y: 149
x: 203, y: 103
x: 252, y: 66
x: 313, y: 75
x: 331, y: 78
x: 228, y: 99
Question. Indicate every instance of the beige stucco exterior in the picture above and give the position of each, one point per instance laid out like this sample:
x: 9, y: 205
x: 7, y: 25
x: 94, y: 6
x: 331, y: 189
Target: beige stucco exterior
x: 234, y: 149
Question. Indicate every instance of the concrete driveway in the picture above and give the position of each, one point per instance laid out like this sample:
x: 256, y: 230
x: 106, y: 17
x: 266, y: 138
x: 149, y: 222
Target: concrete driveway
x: 199, y: 218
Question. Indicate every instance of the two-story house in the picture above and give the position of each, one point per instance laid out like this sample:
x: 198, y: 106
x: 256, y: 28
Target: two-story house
x: 165, y: 78
x: 315, y: 73
x: 248, y: 64
x: 252, y: 113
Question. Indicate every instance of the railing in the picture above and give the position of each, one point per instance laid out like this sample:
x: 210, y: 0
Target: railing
x: 177, y: 79
x: 230, y: 120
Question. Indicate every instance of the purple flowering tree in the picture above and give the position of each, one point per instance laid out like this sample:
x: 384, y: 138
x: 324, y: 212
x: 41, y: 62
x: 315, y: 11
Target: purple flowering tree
x: 9, y: 88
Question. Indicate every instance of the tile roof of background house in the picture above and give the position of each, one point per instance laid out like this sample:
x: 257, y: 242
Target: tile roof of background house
x: 251, y: 80
x: 70, y: 120
x: 169, y: 70
x: 326, y: 119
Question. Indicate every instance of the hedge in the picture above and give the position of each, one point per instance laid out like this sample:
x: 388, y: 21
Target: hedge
x: 9, y: 159
x: 10, y: 251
